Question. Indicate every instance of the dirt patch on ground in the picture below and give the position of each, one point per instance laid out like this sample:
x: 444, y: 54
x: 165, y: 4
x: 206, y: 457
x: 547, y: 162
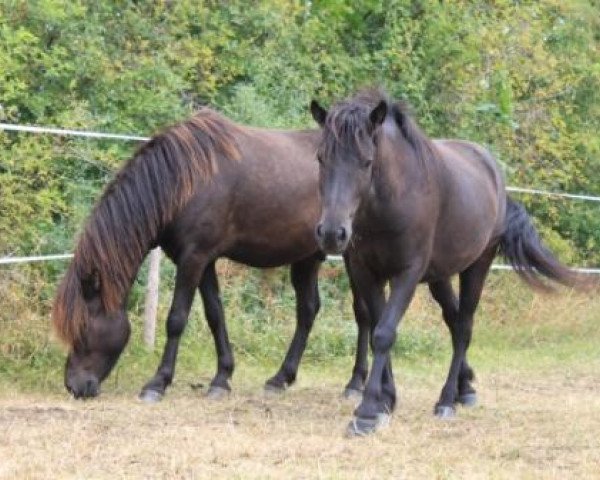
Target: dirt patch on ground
x: 528, y: 425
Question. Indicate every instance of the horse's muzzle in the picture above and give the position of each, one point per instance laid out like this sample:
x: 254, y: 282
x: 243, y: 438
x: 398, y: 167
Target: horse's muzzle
x: 83, y: 387
x: 332, y: 240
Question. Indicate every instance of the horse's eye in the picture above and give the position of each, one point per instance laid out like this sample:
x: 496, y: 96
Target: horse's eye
x: 320, y: 159
x: 367, y: 164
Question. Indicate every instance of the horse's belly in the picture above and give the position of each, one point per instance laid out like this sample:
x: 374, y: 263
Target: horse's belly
x: 456, y: 254
x: 273, y: 248
x: 267, y: 258
x: 447, y: 268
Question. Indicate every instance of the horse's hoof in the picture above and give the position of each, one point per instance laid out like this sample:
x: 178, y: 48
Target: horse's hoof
x: 273, y: 390
x: 361, y: 427
x: 444, y: 411
x: 468, y: 399
x: 352, y: 394
x: 150, y: 396
x: 215, y: 392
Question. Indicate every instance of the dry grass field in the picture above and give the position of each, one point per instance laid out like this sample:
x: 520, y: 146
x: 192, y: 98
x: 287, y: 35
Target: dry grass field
x: 537, y: 360
x: 531, y: 423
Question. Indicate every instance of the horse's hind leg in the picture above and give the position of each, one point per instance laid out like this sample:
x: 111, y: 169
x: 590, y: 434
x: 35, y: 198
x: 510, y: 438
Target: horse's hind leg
x: 471, y: 285
x: 215, y: 317
x: 443, y: 294
x: 304, y: 280
x: 189, y: 273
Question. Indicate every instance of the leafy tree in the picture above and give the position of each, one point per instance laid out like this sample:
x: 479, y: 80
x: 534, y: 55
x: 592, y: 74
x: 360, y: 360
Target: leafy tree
x: 521, y: 77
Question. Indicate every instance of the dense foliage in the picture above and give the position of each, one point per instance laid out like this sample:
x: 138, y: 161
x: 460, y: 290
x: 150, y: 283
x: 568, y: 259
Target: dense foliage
x: 523, y: 78
x: 520, y: 77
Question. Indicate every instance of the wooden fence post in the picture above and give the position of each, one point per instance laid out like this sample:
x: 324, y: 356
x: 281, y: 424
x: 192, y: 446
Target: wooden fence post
x: 151, y: 304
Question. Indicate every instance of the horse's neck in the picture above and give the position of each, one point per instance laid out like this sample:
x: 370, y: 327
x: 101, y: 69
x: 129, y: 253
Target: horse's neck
x: 398, y: 172
x: 130, y: 277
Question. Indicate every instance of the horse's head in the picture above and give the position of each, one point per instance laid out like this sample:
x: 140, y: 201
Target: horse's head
x: 346, y: 155
x: 95, y: 336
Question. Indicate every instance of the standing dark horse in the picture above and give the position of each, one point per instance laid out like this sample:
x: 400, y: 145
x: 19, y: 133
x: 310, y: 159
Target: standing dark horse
x: 407, y: 209
x: 203, y: 189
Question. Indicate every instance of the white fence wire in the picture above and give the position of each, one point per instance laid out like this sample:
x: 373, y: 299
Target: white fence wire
x: 331, y: 258
x: 67, y: 133
x: 535, y: 191
x: 35, y: 258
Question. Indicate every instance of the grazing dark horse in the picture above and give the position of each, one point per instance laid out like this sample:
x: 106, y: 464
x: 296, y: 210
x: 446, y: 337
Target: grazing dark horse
x: 406, y: 209
x: 203, y: 189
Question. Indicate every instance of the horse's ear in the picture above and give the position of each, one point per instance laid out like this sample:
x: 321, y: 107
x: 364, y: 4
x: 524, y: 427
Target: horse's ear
x: 378, y: 114
x: 318, y: 112
x: 90, y: 285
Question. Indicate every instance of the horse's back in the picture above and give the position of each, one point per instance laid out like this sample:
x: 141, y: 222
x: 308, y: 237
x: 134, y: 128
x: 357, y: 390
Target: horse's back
x: 472, y: 156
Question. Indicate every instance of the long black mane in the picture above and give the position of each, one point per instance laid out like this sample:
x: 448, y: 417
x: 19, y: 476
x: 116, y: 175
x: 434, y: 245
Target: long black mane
x: 142, y: 198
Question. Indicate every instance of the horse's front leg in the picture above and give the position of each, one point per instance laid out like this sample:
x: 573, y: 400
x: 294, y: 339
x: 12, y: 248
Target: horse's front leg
x: 379, y: 398
x: 355, y: 386
x: 189, y: 272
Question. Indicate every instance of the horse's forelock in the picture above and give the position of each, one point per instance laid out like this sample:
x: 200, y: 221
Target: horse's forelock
x: 348, y: 123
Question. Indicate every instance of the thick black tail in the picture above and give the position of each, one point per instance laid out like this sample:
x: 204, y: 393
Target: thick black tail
x: 522, y: 247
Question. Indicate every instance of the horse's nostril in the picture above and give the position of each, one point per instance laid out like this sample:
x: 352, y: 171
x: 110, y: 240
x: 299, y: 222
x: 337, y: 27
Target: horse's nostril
x: 90, y: 388
x: 320, y: 230
x: 342, y: 234
x: 70, y: 388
